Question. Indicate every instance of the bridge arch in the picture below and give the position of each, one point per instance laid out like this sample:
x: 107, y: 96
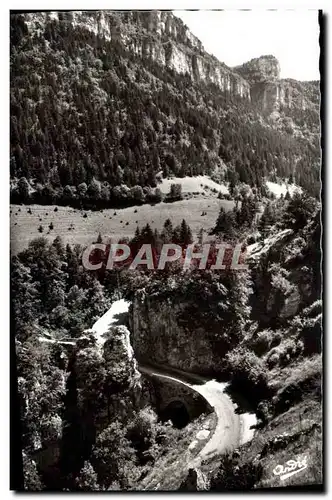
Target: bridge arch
x: 177, y: 411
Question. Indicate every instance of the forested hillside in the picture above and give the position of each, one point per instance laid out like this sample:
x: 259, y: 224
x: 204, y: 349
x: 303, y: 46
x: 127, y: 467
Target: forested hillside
x: 103, y: 103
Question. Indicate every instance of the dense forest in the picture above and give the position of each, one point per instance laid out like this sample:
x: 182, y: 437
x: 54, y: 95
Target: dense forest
x: 94, y: 124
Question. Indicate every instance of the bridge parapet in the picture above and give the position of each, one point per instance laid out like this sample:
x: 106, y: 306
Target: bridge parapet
x: 176, y: 401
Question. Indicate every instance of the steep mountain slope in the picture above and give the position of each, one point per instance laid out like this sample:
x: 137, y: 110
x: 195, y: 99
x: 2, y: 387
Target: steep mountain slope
x: 102, y: 102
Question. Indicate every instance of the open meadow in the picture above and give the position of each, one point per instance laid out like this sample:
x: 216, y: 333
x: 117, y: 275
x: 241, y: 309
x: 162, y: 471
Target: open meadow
x: 83, y: 226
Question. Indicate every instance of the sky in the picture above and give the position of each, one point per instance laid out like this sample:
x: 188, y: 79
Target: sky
x: 236, y: 36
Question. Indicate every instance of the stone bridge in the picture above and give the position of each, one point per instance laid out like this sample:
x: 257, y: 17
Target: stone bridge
x: 174, y: 400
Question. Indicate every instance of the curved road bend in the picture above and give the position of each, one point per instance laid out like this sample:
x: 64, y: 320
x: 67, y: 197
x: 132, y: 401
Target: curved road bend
x: 232, y: 428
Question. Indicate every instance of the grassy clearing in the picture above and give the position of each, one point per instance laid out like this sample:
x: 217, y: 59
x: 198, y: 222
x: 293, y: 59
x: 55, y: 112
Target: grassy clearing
x: 198, y: 184
x: 74, y: 227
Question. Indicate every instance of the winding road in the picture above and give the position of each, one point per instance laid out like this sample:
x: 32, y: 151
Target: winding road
x: 232, y: 428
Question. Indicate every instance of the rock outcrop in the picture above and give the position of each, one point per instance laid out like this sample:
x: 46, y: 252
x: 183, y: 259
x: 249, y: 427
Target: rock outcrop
x: 120, y: 360
x: 283, y: 273
x: 155, y: 35
x: 159, y: 338
x: 269, y: 91
x: 195, y: 481
x: 264, y: 69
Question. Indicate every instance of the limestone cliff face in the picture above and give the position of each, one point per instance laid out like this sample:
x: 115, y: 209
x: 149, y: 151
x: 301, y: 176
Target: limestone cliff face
x: 272, y: 96
x: 270, y: 92
x: 158, y: 337
x: 285, y: 272
x: 157, y: 35
x: 164, y: 38
x: 119, y: 357
x: 263, y: 69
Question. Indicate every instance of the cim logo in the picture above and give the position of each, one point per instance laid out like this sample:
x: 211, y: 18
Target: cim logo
x: 291, y: 468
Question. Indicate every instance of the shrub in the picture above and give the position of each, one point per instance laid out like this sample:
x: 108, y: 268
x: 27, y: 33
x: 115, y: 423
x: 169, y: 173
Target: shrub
x: 272, y: 360
x: 304, y: 379
x: 111, y: 453
x: 311, y: 335
x: 87, y: 479
x: 261, y: 342
x: 142, y: 432
x: 232, y: 475
x: 287, y: 397
x: 248, y: 373
x: 175, y: 193
x: 265, y: 340
x: 32, y: 481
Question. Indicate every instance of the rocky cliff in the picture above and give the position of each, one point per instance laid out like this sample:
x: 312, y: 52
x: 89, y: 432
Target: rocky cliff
x: 164, y: 38
x: 272, y: 93
x: 286, y: 273
x: 159, y: 338
x: 158, y: 35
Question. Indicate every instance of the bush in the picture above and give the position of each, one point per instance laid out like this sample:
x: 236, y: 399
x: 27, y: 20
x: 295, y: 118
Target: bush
x: 311, y: 335
x: 111, y: 453
x: 284, y: 353
x: 272, y: 360
x: 142, y: 428
x: 261, y: 342
x: 175, y: 193
x: 32, y: 481
x: 303, y: 380
x: 87, y: 479
x: 235, y: 476
x: 248, y: 373
x: 287, y: 397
